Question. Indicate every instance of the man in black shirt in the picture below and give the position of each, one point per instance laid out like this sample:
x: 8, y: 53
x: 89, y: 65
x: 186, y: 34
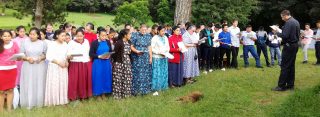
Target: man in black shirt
x: 290, y: 35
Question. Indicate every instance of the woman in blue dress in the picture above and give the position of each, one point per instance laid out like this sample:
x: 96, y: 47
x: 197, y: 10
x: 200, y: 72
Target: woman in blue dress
x: 141, y: 61
x: 101, y: 68
x: 160, y: 46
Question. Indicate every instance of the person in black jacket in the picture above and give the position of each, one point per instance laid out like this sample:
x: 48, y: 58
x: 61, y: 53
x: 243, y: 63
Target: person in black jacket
x: 207, y: 53
x: 317, y: 44
x: 290, y: 36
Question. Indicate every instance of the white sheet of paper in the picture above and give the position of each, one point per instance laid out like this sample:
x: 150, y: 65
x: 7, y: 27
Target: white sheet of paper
x: 183, y: 47
x: 16, y: 56
x: 107, y: 53
x: 168, y: 55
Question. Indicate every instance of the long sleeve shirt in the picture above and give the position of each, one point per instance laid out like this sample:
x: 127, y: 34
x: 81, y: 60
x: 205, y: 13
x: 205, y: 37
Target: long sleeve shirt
x: 9, y: 50
x: 235, y: 32
x: 57, y: 51
x: 225, y: 39
x: 246, y: 37
x: 290, y: 31
x: 160, y: 45
x: 75, y: 47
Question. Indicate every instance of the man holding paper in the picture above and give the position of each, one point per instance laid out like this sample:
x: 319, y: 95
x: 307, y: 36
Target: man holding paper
x: 290, y: 37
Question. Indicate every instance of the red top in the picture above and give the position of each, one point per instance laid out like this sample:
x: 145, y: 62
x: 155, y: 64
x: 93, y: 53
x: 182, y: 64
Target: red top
x: 174, y: 48
x: 7, y: 53
x: 90, y: 36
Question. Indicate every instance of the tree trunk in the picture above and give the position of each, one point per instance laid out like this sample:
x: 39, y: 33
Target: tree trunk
x: 183, y: 11
x: 38, y: 14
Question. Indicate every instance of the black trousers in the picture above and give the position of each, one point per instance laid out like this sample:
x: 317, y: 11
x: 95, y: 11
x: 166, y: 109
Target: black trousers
x: 224, y: 51
x: 208, y: 57
x: 234, y: 61
x: 317, y: 47
x: 264, y: 49
x: 216, y: 57
x: 287, y: 75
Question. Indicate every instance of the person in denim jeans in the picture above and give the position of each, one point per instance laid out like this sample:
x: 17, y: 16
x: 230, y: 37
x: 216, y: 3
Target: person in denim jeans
x: 248, y: 38
x: 274, y: 47
x: 261, y: 44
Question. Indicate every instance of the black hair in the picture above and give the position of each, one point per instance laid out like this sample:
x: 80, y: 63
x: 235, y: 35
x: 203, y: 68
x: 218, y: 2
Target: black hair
x: 20, y: 27
x: 112, y: 31
x: 210, y: 24
x: 100, y: 28
x: 224, y: 25
x: 127, y: 25
x: 261, y: 28
x: 37, y: 32
x: 190, y: 26
x: 66, y: 25
x: 286, y: 12
x: 79, y: 30
x: 56, y: 33
x: 174, y: 28
x: 1, y: 40
x: 308, y: 24
x: 61, y: 27
x: 198, y: 26
x: 160, y: 28
x: 154, y: 27
x: 123, y: 33
x: 217, y: 26
x: 74, y: 27
x: 248, y: 26
x: 67, y: 34
x: 43, y: 30
x: 91, y: 25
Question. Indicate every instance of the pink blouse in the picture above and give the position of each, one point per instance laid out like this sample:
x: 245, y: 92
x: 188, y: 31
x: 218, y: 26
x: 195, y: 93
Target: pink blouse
x: 5, y: 63
x: 308, y: 34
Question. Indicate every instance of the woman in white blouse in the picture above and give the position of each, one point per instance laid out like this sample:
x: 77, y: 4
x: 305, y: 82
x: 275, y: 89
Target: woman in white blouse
x: 80, y: 84
x: 57, y: 75
x: 160, y: 48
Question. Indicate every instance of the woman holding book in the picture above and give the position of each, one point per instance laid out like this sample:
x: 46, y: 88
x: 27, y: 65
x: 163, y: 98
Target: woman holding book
x: 80, y: 81
x: 101, y: 69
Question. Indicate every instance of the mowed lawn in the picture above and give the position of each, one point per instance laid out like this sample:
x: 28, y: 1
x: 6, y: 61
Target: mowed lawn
x: 232, y: 93
x: 78, y: 19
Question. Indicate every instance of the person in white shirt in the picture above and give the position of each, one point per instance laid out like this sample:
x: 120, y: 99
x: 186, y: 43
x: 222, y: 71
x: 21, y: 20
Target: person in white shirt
x: 306, y: 38
x: 248, y: 39
x: 235, y: 42
x: 216, y: 47
x: 274, y: 46
x: 317, y: 45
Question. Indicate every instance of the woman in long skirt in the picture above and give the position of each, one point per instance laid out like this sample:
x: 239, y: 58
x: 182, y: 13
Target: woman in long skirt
x: 141, y: 61
x: 122, y: 74
x: 101, y: 68
x: 160, y: 46
x: 56, y: 92
x: 175, y: 64
x: 8, y: 69
x: 33, y: 71
x: 80, y: 81
x: 190, y: 65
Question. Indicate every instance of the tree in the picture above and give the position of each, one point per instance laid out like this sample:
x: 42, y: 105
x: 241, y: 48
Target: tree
x: 182, y: 11
x: 164, y: 14
x: 206, y: 11
x: 133, y: 13
x: 53, y: 10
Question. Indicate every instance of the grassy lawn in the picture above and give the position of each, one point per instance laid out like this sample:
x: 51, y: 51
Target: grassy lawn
x: 231, y: 93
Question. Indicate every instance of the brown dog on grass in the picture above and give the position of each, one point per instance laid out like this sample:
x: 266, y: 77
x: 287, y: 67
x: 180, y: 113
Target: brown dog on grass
x: 192, y: 97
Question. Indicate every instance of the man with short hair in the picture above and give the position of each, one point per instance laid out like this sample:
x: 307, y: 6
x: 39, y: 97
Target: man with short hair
x: 290, y: 36
x: 235, y: 42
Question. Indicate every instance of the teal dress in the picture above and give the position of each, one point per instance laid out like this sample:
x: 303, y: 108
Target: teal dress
x: 102, y: 72
x: 160, y: 71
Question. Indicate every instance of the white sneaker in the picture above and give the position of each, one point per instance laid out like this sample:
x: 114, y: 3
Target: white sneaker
x: 205, y: 72
x: 223, y: 69
x: 155, y: 93
x: 210, y: 70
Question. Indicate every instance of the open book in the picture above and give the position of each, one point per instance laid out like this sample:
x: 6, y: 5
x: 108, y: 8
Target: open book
x: 16, y: 56
x: 275, y: 27
x: 183, y: 47
x: 107, y: 54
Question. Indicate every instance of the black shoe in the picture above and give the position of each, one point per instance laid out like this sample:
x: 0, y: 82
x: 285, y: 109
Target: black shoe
x: 259, y: 67
x: 305, y: 62
x: 291, y: 88
x: 278, y: 89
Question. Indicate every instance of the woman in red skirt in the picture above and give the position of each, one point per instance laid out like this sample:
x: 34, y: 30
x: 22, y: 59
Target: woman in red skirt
x: 8, y: 68
x: 80, y: 84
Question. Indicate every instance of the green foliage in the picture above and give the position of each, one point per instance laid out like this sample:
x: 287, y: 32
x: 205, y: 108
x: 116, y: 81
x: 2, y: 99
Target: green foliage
x: 53, y: 12
x: 133, y: 13
x: 165, y: 15
x: 205, y: 11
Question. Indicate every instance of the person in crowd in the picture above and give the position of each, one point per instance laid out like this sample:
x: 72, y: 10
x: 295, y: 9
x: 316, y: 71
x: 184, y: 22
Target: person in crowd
x: 89, y: 34
x: 216, y: 47
x: 56, y: 90
x: 8, y: 69
x: 33, y: 70
x: 160, y: 47
x: 190, y: 63
x: 235, y: 43
x: 248, y: 39
x: 306, y: 38
x: 68, y: 38
x: 262, y: 37
x: 73, y: 31
x: 141, y: 61
x: 290, y: 38
x: 14, y: 34
x: 67, y: 27
x: 207, y: 35
x: 49, y: 31
x: 100, y: 51
x: 274, y: 45
x: 225, y: 47
x: 175, y: 64
x: 107, y: 28
x: 182, y: 27
x: 154, y: 30
x: 197, y: 39
x: 44, y: 37
x: 317, y: 44
x: 122, y: 73
x: 21, y: 31
x: 79, y: 71
x: 168, y: 30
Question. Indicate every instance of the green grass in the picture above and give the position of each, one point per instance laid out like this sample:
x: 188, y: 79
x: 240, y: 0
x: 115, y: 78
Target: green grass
x: 233, y: 93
